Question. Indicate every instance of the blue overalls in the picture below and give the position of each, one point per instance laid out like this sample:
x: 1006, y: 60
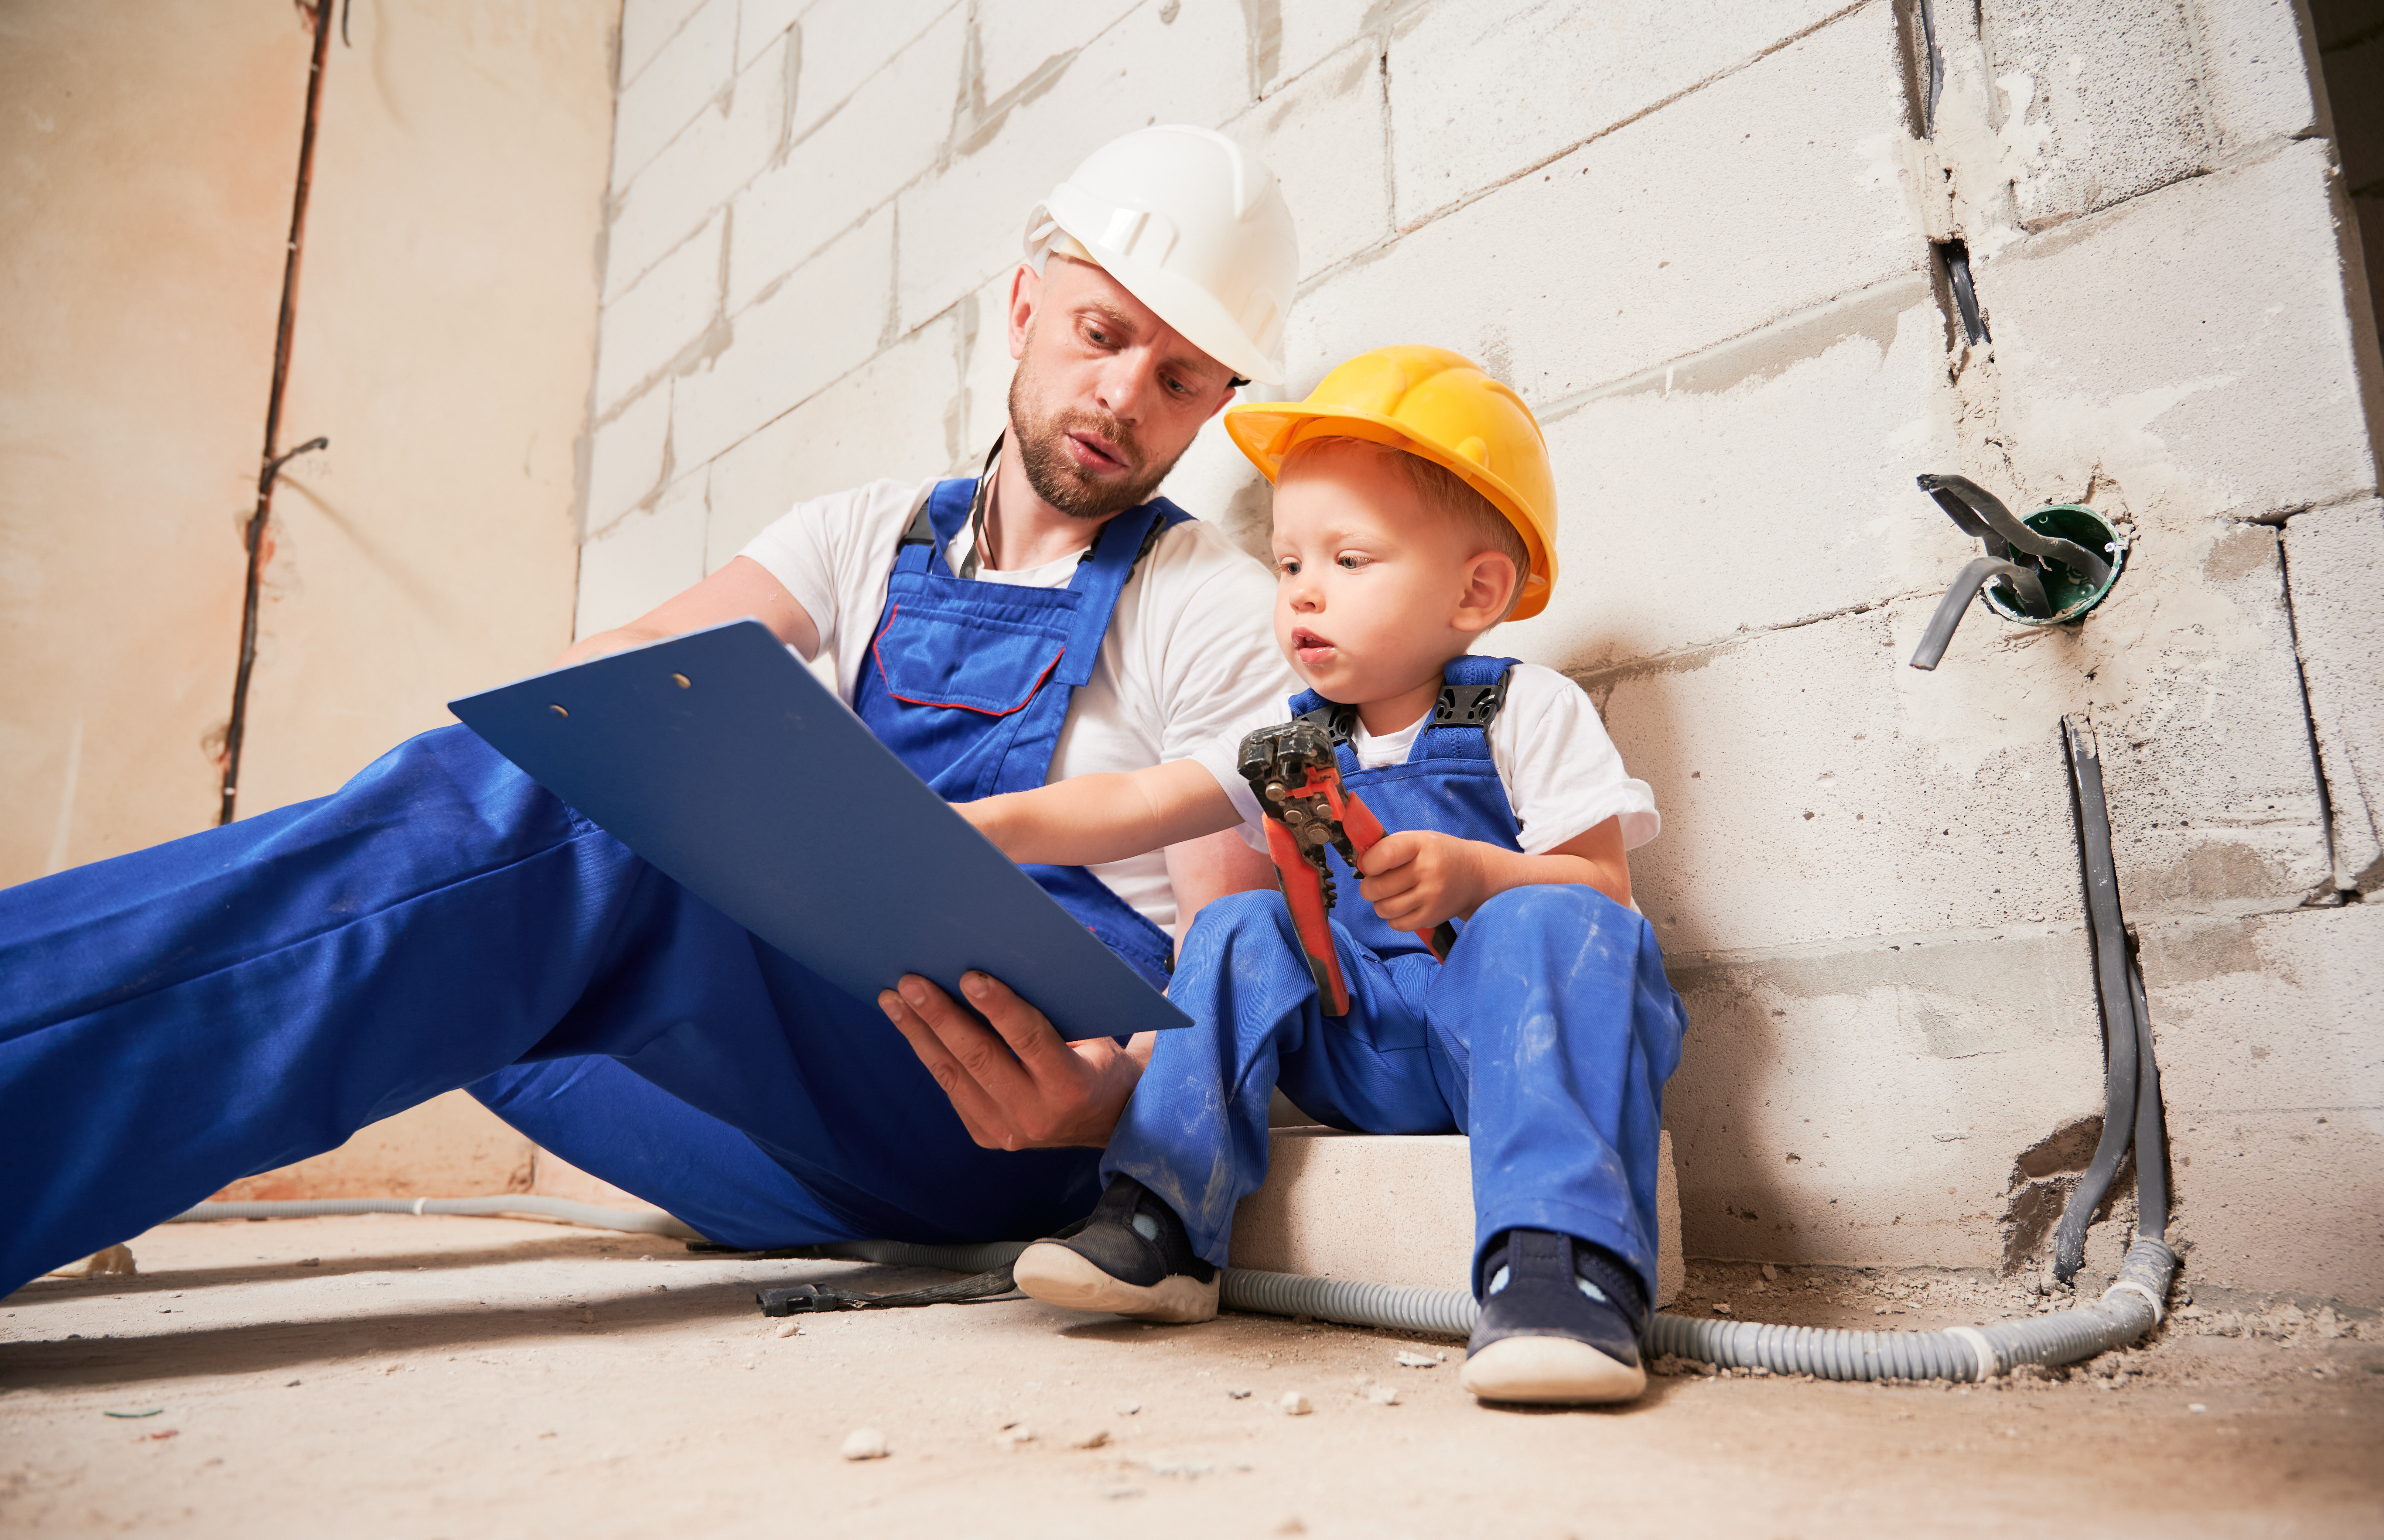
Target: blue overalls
x: 178, y: 1018
x: 1547, y: 1035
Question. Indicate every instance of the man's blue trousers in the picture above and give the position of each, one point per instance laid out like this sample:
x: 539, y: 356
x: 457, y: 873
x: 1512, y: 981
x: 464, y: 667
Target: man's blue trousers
x: 1547, y: 1038
x: 178, y: 1018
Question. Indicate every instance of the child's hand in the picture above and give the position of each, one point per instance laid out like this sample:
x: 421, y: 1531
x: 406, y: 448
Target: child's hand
x: 1417, y: 878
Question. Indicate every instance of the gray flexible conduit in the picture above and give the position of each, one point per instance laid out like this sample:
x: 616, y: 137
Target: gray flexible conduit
x: 593, y: 1216
x: 2124, y: 1314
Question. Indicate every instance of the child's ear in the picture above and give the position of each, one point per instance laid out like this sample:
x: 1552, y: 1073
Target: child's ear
x: 1489, y: 591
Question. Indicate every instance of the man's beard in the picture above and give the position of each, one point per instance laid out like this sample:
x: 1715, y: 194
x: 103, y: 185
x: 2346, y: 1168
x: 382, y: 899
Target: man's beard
x: 1055, y: 477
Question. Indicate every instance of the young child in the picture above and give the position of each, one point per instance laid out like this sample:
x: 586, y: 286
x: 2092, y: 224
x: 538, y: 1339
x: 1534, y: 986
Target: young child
x: 1414, y: 510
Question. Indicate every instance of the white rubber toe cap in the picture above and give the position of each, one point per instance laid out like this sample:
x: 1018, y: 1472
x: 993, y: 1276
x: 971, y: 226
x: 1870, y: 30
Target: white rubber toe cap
x: 1049, y: 1272
x: 1549, y: 1371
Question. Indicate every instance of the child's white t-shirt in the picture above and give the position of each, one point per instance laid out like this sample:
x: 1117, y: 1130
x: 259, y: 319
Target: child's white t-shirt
x: 1560, y: 771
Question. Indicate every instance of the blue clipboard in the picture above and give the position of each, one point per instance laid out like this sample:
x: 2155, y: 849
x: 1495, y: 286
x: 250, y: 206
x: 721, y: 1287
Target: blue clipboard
x: 718, y: 757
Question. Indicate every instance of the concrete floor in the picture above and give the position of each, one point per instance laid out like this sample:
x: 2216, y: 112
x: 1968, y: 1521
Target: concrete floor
x: 470, y: 1378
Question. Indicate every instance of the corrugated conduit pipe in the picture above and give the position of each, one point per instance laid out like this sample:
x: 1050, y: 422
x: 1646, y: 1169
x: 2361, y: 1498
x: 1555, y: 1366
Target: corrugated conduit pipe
x: 593, y: 1216
x: 2127, y: 1311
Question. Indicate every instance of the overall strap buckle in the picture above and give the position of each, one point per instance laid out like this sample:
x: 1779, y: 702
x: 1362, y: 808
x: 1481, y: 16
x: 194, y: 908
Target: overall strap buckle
x: 1468, y: 705
x: 1339, y: 722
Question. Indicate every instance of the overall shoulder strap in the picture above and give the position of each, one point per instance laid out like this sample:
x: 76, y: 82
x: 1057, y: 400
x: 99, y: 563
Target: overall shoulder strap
x: 935, y: 521
x: 1097, y: 581
x: 1472, y: 691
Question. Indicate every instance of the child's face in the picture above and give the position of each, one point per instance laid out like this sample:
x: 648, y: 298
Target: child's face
x: 1374, y: 592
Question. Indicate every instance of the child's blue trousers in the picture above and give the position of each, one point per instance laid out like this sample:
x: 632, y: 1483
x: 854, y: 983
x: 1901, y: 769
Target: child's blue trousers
x: 1547, y: 1038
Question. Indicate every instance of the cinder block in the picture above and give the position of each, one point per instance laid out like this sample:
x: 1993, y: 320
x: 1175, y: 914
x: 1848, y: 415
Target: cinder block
x: 2273, y: 1073
x: 1306, y: 35
x: 2268, y: 1012
x: 761, y: 24
x: 1481, y: 90
x: 826, y: 318
x: 1020, y: 37
x: 2296, y: 1202
x: 1757, y: 483
x: 987, y: 365
x: 1615, y: 259
x: 845, y: 43
x: 889, y: 419
x: 710, y: 159
x: 2205, y: 747
x: 1816, y: 790
x: 648, y: 326
x: 1391, y: 1208
x: 1214, y: 481
x: 1325, y: 136
x: 1866, y: 1105
x: 2099, y: 106
x: 2256, y: 74
x: 2158, y: 346
x: 694, y: 67
x: 646, y: 26
x: 852, y: 161
x: 2332, y: 556
x: 961, y: 225
x: 643, y: 559
x: 626, y: 464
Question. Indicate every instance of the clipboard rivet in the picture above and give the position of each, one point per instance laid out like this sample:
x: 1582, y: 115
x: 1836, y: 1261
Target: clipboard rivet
x: 558, y: 710
x: 682, y: 681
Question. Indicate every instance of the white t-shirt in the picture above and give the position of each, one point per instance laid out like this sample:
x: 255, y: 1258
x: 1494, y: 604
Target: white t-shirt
x: 1560, y: 771
x: 1190, y: 649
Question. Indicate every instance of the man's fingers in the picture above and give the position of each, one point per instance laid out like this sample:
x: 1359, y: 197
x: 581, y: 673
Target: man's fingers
x: 977, y: 1111
x: 1028, y: 1032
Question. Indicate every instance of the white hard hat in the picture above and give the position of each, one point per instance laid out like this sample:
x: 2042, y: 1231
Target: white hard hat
x: 1195, y: 228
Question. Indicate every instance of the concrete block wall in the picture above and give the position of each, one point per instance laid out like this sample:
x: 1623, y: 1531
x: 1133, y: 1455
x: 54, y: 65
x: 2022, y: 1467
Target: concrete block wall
x: 1702, y: 240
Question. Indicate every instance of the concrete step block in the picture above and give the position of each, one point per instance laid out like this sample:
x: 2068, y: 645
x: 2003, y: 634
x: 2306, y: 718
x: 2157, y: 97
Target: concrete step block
x: 1391, y: 1208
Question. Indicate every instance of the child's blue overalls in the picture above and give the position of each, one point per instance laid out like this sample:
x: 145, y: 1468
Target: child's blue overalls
x: 1548, y: 1036
x: 178, y: 1018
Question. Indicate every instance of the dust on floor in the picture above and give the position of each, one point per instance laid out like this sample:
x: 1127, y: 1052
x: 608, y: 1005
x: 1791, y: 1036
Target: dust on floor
x: 392, y: 1376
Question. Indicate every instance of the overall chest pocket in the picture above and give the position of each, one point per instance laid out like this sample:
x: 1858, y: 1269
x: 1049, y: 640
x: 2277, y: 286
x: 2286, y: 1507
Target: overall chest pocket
x: 931, y: 656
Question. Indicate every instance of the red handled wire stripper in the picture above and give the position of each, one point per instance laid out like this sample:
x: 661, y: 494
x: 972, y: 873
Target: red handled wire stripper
x: 1297, y: 780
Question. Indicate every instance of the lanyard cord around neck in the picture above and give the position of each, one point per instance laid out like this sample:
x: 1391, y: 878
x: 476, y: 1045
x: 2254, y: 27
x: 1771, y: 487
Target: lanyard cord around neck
x: 976, y: 507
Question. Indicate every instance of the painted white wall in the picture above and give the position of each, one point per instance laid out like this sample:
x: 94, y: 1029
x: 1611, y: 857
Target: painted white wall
x: 1696, y: 237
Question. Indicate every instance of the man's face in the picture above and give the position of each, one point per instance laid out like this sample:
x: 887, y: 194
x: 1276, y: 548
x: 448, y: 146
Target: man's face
x: 1107, y: 396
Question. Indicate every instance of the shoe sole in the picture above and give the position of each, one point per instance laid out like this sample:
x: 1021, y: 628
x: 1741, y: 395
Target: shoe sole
x: 1549, y: 1371
x: 1051, y: 1272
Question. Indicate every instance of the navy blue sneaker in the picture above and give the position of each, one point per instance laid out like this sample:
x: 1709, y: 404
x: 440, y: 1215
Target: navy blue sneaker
x: 1131, y: 1258
x: 1561, y: 1322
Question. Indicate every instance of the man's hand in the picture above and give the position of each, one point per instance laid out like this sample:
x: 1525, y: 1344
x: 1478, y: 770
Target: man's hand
x: 1417, y: 877
x: 1025, y: 1089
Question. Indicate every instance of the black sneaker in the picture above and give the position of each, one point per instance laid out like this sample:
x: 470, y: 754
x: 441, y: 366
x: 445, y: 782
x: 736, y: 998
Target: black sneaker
x: 1561, y: 1321
x: 1131, y: 1259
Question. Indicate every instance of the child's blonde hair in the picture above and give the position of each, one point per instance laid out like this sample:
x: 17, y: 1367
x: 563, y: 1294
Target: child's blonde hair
x: 1447, y: 493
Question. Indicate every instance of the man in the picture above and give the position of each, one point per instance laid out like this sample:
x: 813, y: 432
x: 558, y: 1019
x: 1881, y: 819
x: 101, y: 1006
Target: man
x: 230, y: 1002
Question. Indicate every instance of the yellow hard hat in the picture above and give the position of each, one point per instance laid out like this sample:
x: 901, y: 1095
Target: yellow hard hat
x: 1436, y: 404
